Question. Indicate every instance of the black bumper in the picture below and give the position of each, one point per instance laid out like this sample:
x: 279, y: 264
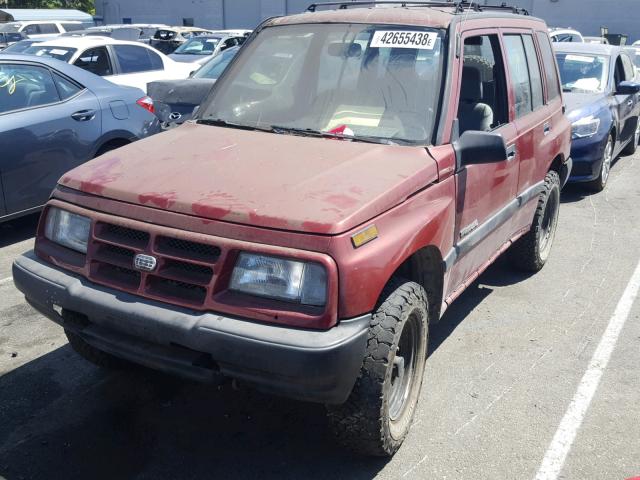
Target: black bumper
x: 318, y: 366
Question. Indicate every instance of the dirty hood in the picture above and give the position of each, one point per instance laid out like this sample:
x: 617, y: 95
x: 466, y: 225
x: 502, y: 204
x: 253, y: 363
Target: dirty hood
x: 262, y: 179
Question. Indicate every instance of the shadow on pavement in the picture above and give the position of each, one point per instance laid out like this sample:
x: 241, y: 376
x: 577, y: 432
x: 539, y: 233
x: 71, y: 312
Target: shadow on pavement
x: 60, y: 417
x: 18, y: 230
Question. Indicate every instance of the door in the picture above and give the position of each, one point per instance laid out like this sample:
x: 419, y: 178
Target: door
x: 484, y: 192
x: 625, y: 104
x: 137, y: 66
x: 48, y: 125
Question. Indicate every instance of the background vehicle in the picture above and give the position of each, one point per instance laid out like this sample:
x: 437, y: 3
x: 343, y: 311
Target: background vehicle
x: 131, y: 34
x: 563, y: 35
x: 53, y: 117
x: 9, y: 38
x: 175, y: 100
x: 125, y: 63
x: 347, y: 179
x: 41, y: 28
x: 23, y: 45
x: 147, y: 30
x: 602, y: 104
x: 200, y: 49
x: 167, y: 40
x: 600, y: 40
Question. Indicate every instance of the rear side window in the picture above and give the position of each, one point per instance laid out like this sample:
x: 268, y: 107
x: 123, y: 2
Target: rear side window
x: 48, y: 28
x: 134, y: 59
x: 72, y: 27
x: 25, y: 86
x: 66, y: 88
x: 549, y: 62
x: 519, y: 74
x: 537, y: 98
x: 96, y: 61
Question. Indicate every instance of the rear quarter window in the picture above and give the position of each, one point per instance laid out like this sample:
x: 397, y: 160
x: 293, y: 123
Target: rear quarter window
x: 549, y: 63
x: 134, y: 59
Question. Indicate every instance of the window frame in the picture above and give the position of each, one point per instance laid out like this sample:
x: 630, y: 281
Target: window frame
x: 43, y: 67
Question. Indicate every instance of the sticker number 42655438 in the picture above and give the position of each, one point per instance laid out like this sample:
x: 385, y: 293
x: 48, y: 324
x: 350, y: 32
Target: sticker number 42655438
x: 404, y: 39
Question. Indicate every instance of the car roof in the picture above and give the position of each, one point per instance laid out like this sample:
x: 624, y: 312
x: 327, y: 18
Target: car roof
x: 88, y: 41
x: 88, y: 79
x: 401, y: 14
x: 586, y: 48
x: 40, y: 22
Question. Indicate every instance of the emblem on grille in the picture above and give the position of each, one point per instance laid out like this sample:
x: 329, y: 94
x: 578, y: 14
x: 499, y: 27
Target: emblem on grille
x: 175, y: 116
x: 145, y: 262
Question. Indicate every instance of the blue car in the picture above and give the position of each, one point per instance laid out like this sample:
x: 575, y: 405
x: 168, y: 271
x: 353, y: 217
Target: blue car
x: 53, y: 117
x: 603, y: 105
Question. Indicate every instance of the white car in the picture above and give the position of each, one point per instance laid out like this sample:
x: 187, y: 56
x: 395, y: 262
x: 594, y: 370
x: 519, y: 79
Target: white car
x: 126, y: 63
x: 565, y: 35
x: 42, y: 28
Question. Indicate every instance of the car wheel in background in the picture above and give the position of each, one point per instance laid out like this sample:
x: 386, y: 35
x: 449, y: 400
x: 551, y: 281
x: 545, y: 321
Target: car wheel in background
x: 530, y: 252
x: 599, y: 183
x: 377, y: 416
x: 631, y: 148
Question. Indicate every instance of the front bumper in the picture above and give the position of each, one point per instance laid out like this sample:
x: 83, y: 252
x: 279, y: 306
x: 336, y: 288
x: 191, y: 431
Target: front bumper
x: 318, y: 366
x: 587, y: 155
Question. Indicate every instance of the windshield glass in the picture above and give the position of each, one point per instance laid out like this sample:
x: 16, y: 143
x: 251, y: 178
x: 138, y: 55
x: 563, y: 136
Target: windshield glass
x: 19, y: 47
x: 198, y: 46
x: 59, y: 53
x: 214, y: 67
x: 583, y: 73
x: 9, y: 27
x: 353, y: 80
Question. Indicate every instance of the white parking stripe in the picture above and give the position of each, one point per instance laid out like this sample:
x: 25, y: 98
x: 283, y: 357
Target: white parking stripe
x: 563, y: 439
x: 6, y: 280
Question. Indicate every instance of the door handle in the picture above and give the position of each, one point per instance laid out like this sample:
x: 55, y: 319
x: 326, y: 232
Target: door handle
x: 84, y: 115
x: 630, y: 102
x: 546, y: 129
x: 511, y: 152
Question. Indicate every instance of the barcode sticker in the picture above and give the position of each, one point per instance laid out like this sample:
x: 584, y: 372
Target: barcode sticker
x: 404, y: 39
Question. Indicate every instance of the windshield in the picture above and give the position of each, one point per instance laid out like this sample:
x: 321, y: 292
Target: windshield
x: 198, y: 46
x: 583, y: 73
x: 356, y: 81
x: 59, y: 53
x: 19, y: 47
x: 214, y: 67
x: 9, y: 27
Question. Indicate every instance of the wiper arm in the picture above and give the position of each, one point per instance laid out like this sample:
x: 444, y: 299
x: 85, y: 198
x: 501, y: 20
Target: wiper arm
x: 223, y: 123
x: 319, y: 133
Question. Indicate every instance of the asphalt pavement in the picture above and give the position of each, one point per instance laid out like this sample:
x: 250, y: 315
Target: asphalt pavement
x: 505, y: 365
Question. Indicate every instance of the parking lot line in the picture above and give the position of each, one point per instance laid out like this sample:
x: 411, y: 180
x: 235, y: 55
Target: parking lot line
x: 563, y: 439
x: 5, y: 280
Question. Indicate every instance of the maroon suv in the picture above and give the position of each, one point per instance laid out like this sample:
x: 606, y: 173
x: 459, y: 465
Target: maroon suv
x: 351, y: 173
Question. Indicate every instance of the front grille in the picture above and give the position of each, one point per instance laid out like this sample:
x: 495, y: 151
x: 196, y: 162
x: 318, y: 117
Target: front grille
x: 184, y: 274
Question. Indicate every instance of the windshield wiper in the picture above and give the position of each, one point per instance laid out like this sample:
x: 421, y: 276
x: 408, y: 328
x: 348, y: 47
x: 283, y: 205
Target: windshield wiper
x: 319, y: 133
x: 218, y: 122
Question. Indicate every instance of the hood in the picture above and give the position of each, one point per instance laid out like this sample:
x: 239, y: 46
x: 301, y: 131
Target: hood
x: 178, y: 97
x: 199, y: 59
x: 286, y: 182
x: 583, y: 104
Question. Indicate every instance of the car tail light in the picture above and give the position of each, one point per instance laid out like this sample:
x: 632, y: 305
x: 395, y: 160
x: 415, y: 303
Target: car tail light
x: 147, y: 104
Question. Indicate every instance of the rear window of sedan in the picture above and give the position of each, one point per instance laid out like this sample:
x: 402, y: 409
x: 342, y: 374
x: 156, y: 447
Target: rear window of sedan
x: 59, y: 53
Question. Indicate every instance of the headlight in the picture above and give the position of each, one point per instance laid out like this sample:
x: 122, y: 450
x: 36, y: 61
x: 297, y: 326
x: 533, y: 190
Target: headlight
x: 585, y: 127
x: 67, y: 229
x: 279, y: 278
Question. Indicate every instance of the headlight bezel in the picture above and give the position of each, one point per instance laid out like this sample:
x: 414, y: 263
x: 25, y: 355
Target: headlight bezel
x: 304, y: 270
x: 585, y: 127
x: 59, y: 226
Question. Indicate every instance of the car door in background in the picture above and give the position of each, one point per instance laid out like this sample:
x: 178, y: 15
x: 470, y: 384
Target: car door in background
x: 626, y: 104
x: 48, y: 125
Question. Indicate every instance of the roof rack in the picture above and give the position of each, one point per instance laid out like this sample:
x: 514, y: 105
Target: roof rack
x: 460, y: 6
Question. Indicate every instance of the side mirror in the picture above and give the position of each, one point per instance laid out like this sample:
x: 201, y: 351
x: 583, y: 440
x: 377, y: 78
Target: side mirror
x: 628, y: 88
x: 476, y: 147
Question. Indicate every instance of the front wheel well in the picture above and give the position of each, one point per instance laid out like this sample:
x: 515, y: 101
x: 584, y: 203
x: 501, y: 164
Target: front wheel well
x: 426, y: 267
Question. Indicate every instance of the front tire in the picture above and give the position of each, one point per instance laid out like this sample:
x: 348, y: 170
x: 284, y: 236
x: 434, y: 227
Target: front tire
x: 530, y: 252
x: 600, y: 183
x: 377, y: 416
